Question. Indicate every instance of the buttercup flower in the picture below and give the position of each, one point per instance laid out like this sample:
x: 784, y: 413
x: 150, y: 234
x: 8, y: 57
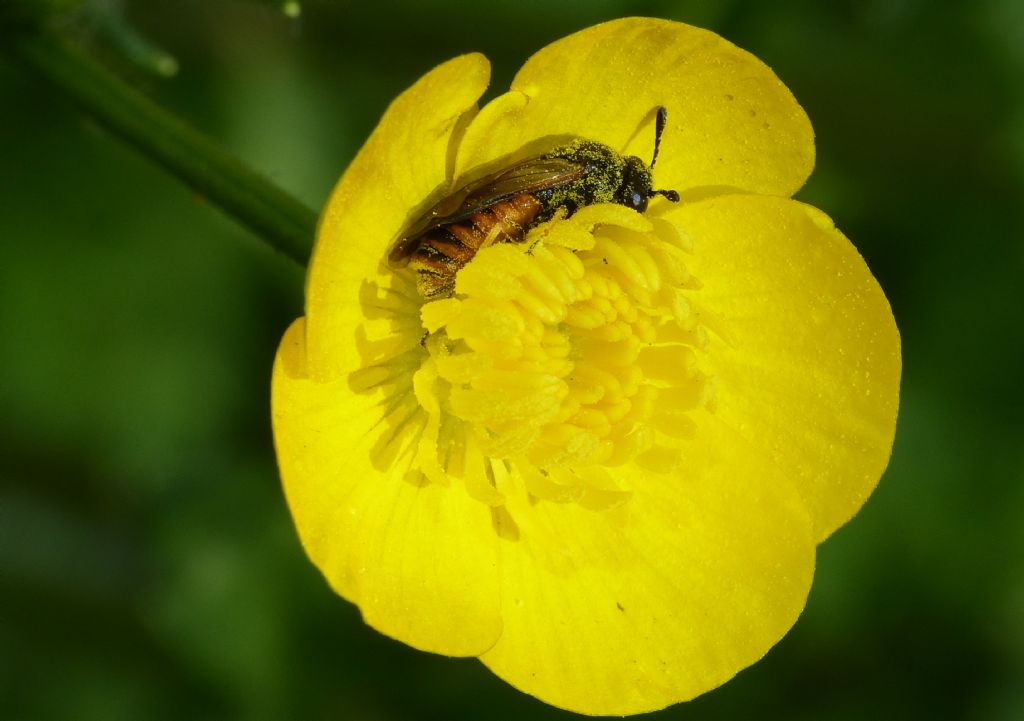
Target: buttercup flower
x: 604, y: 463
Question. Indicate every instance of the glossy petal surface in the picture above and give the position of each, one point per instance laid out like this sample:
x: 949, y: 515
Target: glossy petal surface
x: 810, y: 371
x: 380, y: 191
x: 419, y: 560
x: 710, y: 569
x: 732, y: 123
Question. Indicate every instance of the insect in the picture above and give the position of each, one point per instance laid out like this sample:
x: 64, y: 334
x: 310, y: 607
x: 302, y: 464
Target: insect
x: 503, y: 206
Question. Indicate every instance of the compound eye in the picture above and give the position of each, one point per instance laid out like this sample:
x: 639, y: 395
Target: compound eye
x: 637, y: 201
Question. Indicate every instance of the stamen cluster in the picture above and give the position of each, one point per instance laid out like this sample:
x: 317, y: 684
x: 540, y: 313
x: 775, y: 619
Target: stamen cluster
x: 561, y: 357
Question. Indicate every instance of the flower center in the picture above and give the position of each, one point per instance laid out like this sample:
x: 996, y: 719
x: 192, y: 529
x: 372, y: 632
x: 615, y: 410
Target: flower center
x: 558, y: 358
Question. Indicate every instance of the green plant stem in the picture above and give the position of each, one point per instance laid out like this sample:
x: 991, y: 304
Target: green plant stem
x: 275, y: 216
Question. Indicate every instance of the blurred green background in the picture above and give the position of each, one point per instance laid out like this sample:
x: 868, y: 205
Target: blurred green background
x: 148, y: 569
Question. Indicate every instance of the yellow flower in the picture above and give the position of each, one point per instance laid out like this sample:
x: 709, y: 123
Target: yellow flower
x: 604, y: 464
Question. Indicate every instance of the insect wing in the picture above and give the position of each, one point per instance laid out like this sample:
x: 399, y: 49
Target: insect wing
x: 530, y: 176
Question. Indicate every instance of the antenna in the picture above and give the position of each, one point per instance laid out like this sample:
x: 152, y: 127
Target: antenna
x: 659, y: 127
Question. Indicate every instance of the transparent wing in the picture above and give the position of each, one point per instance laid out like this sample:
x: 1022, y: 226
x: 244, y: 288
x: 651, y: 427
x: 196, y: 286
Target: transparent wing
x: 529, y: 176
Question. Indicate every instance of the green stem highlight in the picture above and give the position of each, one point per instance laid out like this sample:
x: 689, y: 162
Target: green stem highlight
x: 275, y: 216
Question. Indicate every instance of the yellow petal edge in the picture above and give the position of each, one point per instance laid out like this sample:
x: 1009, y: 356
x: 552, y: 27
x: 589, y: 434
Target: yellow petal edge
x: 419, y: 561
x: 403, y: 164
x: 732, y: 124
x: 811, y: 369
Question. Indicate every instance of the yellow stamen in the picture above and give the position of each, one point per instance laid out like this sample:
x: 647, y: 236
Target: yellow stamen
x: 560, y: 358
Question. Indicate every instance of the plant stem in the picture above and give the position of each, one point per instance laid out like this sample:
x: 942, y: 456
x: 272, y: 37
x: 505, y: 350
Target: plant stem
x: 275, y: 216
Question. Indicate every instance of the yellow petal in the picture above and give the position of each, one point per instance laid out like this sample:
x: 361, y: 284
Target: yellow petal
x: 406, y: 163
x: 709, y: 570
x: 811, y: 368
x: 418, y: 558
x: 731, y: 122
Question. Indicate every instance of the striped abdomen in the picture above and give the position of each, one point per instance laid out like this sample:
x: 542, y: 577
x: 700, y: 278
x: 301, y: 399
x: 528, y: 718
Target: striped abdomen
x: 444, y: 251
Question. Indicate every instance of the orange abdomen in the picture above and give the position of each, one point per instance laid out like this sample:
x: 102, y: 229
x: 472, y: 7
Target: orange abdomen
x: 445, y: 251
